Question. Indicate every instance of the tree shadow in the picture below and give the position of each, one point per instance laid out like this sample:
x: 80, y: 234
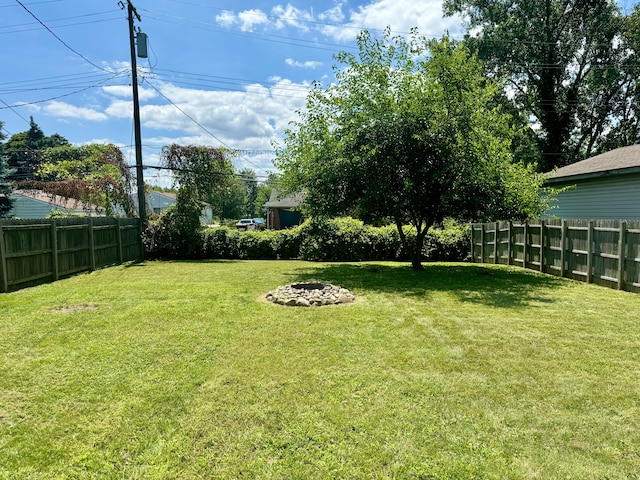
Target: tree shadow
x: 488, y: 285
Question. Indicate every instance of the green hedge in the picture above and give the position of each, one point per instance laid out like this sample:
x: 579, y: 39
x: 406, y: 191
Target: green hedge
x: 341, y: 239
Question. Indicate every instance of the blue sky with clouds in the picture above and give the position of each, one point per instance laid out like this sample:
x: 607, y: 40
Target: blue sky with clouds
x: 229, y: 73
x: 224, y: 73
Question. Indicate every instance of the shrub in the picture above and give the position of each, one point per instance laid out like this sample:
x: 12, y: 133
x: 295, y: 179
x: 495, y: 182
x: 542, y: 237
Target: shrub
x: 221, y: 242
x: 287, y: 243
x: 257, y: 245
x: 449, y: 242
x: 340, y: 239
x: 177, y: 233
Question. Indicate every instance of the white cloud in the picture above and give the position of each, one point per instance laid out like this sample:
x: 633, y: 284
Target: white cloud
x: 226, y: 19
x: 401, y: 16
x: 308, y: 64
x: 291, y: 16
x: 333, y: 15
x: 250, y: 119
x: 246, y: 19
x: 249, y: 18
x: 125, y: 91
x: 66, y: 110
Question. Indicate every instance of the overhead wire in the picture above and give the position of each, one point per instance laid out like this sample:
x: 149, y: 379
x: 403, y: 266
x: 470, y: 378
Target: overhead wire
x: 59, y: 39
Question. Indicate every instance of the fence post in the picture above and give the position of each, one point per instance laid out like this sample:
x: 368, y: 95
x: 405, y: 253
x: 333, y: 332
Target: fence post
x: 482, y: 243
x: 563, y: 246
x: 524, y: 246
x: 54, y: 250
x: 621, y: 259
x: 92, y: 249
x: 495, y: 243
x: 473, y: 250
x: 509, y: 243
x: 4, y: 278
x: 590, y: 252
x: 542, y: 237
x: 119, y: 237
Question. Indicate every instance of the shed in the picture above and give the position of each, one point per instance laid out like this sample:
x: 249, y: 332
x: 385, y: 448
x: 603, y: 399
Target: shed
x: 282, y: 210
x: 606, y: 186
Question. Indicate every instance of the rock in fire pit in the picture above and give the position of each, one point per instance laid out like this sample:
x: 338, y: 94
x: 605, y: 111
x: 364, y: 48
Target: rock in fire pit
x: 310, y: 295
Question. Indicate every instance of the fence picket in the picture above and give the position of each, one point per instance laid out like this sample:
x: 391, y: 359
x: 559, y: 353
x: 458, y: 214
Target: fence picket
x: 4, y: 287
x: 587, y: 250
x: 37, y: 251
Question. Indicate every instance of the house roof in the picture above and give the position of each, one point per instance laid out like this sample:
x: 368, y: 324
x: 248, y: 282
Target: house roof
x: 57, y: 201
x: 287, y: 201
x: 619, y: 161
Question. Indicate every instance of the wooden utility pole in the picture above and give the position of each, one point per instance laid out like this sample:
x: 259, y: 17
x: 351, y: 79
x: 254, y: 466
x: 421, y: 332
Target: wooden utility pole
x: 142, y: 204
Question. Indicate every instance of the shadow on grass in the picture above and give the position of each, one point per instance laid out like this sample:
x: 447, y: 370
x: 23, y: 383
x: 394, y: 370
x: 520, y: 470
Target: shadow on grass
x: 498, y: 286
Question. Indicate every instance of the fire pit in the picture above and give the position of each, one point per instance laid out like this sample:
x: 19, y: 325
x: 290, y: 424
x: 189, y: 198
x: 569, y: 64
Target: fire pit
x: 312, y: 294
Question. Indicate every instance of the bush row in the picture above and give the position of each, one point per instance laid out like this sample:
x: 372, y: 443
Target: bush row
x: 341, y: 239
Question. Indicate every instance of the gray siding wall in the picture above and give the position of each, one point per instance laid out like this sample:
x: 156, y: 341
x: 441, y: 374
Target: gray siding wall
x: 614, y: 197
x: 25, y: 207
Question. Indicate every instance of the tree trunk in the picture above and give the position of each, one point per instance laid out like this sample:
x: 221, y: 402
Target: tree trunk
x: 415, y: 252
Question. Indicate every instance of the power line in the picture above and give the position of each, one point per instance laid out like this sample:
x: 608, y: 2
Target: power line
x: 59, y: 39
x: 35, y: 102
x: 200, y: 125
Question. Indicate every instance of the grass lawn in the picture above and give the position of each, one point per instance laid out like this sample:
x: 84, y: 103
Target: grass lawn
x: 180, y: 370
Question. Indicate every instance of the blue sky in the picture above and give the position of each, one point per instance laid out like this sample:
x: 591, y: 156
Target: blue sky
x: 238, y: 69
x: 224, y: 73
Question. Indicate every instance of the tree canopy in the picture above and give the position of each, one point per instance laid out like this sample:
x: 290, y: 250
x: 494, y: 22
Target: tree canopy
x: 5, y: 186
x: 23, y: 151
x: 94, y: 174
x: 409, y: 132
x: 207, y: 170
x: 571, y: 66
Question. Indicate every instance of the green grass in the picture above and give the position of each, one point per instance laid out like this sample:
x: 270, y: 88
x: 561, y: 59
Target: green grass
x: 181, y: 370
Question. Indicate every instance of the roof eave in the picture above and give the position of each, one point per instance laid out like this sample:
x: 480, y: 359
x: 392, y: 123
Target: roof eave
x: 591, y: 175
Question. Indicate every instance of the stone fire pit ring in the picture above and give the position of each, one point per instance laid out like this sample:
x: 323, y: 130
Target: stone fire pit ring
x: 312, y: 294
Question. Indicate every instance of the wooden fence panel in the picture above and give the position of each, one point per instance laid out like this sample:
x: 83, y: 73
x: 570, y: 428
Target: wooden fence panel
x: 605, y: 252
x: 39, y: 251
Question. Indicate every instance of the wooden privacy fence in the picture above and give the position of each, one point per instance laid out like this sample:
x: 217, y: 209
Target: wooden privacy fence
x: 605, y: 252
x: 40, y: 251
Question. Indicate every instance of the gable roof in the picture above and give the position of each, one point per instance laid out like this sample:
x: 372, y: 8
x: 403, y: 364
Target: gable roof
x: 614, y: 162
x: 287, y: 201
x: 56, y: 201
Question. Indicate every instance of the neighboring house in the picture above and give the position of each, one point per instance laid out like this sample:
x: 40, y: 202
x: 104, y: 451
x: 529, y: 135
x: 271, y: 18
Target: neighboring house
x: 158, y: 202
x: 606, y: 186
x: 38, y: 204
x: 282, y: 211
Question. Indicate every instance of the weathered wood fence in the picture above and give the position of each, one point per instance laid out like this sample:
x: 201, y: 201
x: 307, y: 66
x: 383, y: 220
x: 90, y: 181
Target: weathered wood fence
x: 605, y: 252
x: 40, y: 251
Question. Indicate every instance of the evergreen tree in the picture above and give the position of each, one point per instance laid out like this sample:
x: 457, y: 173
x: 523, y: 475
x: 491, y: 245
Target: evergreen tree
x: 24, y: 151
x: 5, y: 186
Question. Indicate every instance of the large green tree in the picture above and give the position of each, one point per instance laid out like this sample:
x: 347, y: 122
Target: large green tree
x: 571, y: 65
x: 207, y: 170
x: 94, y: 174
x: 407, y: 132
x: 250, y: 182
x: 23, y: 151
x: 263, y: 193
x: 5, y: 186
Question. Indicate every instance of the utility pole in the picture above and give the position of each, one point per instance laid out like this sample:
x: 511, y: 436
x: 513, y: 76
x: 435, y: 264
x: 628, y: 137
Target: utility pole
x: 142, y: 204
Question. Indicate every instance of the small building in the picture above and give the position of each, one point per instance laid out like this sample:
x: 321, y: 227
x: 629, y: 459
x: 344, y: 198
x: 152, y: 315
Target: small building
x: 158, y: 202
x: 606, y: 186
x: 283, y: 211
x: 38, y: 204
